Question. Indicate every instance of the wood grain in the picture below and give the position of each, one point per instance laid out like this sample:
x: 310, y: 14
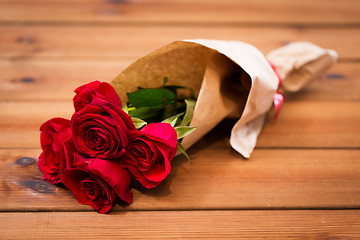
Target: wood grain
x: 341, y: 82
x: 218, y: 178
x: 320, y: 124
x: 184, y: 225
x: 56, y: 79
x: 133, y: 42
x: 53, y: 79
x: 165, y: 12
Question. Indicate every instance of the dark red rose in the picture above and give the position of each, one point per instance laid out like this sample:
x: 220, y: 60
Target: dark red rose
x: 58, y: 148
x: 149, y: 153
x: 86, y: 93
x: 100, y: 130
x: 98, y: 183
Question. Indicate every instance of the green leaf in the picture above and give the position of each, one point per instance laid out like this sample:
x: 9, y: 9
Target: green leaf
x: 165, y: 80
x: 144, y: 112
x: 172, y: 120
x: 183, y: 151
x: 154, y: 97
x: 190, y: 106
x: 182, y: 131
x: 125, y: 108
x: 169, y: 111
x: 139, y: 123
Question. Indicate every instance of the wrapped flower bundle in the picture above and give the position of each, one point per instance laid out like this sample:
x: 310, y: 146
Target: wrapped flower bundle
x: 133, y: 128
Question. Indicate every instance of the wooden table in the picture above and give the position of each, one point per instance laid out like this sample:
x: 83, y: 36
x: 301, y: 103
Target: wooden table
x: 302, y: 180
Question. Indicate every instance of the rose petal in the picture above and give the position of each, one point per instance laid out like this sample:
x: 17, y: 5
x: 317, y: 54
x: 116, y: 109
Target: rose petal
x: 96, y: 89
x: 162, y: 131
x: 115, y: 175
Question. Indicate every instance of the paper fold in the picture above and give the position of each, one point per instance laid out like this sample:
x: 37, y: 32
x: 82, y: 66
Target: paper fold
x: 298, y: 63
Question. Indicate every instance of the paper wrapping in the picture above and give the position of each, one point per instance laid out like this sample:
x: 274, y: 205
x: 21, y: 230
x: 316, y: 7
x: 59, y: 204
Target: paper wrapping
x: 298, y: 63
x: 230, y: 79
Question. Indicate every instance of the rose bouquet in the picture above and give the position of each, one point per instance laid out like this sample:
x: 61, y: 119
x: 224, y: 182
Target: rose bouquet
x: 102, y: 148
x: 109, y: 142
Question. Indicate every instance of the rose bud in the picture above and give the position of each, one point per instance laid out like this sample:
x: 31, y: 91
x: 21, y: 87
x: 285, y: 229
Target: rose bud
x: 100, y: 130
x: 149, y: 153
x: 98, y: 183
x: 86, y: 93
x: 58, y: 148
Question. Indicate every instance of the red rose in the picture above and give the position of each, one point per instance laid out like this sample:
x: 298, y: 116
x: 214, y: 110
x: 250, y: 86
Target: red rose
x: 86, y: 93
x: 57, y: 145
x: 98, y: 183
x: 100, y: 130
x: 149, y: 153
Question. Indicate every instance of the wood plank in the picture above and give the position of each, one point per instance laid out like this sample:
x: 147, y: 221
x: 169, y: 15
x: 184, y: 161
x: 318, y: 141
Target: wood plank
x: 183, y: 225
x: 136, y: 41
x: 160, y: 11
x: 218, y: 178
x: 56, y: 79
x: 323, y: 124
x: 302, y: 181
x: 19, y: 127
x: 301, y: 124
x: 53, y: 79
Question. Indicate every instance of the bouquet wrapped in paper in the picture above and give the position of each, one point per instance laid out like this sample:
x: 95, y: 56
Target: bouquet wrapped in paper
x: 230, y: 79
x: 116, y: 136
